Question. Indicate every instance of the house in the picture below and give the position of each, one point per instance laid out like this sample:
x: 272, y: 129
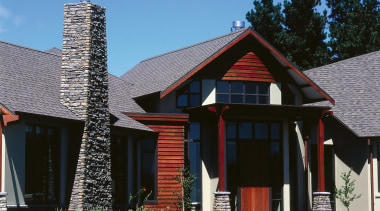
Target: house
x: 252, y: 127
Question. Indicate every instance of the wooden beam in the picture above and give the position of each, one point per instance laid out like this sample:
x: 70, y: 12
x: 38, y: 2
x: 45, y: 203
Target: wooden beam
x: 321, y: 155
x: 221, y: 147
x: 9, y: 118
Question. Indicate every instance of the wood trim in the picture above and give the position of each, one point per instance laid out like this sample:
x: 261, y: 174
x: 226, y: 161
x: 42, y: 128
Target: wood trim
x: 371, y: 175
x: 321, y: 155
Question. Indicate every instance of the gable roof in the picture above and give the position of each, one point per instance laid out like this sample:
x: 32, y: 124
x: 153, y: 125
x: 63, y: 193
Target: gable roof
x: 354, y: 84
x: 30, y: 83
x: 166, y: 72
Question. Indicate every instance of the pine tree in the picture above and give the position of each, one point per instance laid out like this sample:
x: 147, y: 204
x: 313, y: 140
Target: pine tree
x: 304, y: 33
x: 266, y: 19
x: 354, y: 27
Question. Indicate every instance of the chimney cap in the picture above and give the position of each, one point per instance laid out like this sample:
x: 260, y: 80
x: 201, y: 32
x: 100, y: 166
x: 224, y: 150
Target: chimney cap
x: 84, y: 1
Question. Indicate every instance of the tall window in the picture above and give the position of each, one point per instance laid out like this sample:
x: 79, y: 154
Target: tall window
x: 119, y: 169
x: 194, y: 159
x: 242, y: 92
x: 190, y: 95
x: 41, y: 164
x: 148, y: 166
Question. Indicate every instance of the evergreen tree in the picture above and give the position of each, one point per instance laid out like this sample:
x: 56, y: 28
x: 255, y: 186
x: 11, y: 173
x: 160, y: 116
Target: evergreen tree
x: 266, y: 19
x: 298, y: 32
x: 304, y: 33
x: 354, y: 27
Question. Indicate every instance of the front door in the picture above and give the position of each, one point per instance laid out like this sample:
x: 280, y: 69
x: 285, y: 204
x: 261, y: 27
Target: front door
x: 254, y: 170
x: 254, y: 165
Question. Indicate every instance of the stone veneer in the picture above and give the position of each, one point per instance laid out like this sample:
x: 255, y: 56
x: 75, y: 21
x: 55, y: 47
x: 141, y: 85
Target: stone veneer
x: 84, y: 90
x: 222, y: 201
x: 321, y: 201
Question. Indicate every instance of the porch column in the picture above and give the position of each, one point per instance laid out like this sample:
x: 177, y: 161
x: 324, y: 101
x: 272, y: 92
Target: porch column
x: 321, y: 199
x: 222, y: 200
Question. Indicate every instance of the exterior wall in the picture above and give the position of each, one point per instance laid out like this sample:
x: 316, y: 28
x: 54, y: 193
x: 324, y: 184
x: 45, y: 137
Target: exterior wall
x: 14, y: 174
x: 376, y: 173
x: 208, y: 92
x: 349, y: 152
x: 275, y: 93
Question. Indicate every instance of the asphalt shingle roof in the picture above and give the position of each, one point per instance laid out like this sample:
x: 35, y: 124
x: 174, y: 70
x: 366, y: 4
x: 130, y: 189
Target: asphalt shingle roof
x: 30, y: 83
x: 157, y: 73
x: 355, y: 85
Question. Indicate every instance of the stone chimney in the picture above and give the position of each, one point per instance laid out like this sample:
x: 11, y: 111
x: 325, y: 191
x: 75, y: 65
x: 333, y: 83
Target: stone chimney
x: 84, y: 91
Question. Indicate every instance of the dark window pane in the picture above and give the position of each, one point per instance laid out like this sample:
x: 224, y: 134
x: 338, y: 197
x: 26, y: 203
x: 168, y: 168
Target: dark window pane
x: 261, y: 130
x: 236, y: 98
x: 245, y: 130
x: 275, y: 131
x: 148, y: 166
x: 195, y: 169
x: 231, y: 130
x: 149, y: 144
x: 195, y: 99
x: 195, y: 87
x: 195, y: 131
x: 250, y: 88
x: 231, y: 152
x: 182, y: 101
x: 222, y: 98
x: 251, y: 99
x: 236, y: 87
x: 263, y: 99
x: 222, y: 87
x: 263, y: 88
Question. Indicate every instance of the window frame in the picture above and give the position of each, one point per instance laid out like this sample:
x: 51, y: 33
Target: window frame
x: 244, y: 93
x: 188, y: 93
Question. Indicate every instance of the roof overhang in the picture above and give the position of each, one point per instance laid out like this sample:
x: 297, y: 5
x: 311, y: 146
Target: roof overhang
x: 268, y: 111
x: 311, y: 91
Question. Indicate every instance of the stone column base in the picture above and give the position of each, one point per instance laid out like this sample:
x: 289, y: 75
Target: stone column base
x: 3, y: 201
x: 321, y: 201
x: 222, y: 201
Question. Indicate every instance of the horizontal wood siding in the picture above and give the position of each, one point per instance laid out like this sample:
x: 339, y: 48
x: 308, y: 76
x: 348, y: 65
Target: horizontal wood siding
x: 170, y: 155
x: 249, y: 68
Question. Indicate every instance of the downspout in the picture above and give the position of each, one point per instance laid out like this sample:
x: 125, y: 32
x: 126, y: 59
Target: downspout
x: 371, y: 169
x: 306, y: 174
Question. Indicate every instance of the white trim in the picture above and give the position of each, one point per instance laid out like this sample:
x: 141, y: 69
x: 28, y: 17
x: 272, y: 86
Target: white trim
x: 275, y: 94
x: 286, y: 186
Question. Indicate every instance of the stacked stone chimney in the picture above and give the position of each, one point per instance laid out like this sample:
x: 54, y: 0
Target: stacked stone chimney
x: 84, y: 90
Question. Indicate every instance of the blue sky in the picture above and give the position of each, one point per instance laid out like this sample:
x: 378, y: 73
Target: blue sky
x: 136, y: 29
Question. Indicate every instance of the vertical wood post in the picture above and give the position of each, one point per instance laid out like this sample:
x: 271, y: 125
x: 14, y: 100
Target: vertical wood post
x: 321, y: 155
x: 371, y: 169
x: 1, y: 149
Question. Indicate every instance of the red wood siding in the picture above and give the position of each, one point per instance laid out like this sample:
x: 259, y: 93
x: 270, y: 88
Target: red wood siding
x: 249, y: 68
x: 170, y: 155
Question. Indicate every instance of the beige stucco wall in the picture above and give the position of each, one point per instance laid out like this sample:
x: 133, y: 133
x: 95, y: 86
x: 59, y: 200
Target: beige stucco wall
x: 275, y: 93
x: 14, y: 169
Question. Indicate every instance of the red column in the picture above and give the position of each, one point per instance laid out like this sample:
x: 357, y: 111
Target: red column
x: 321, y: 156
x: 1, y: 148
x: 221, y: 147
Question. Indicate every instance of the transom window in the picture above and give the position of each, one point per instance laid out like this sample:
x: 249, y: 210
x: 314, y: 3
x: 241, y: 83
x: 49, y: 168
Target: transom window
x: 190, y: 95
x: 242, y: 92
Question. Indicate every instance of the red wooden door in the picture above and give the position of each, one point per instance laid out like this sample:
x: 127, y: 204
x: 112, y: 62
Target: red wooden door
x: 255, y: 192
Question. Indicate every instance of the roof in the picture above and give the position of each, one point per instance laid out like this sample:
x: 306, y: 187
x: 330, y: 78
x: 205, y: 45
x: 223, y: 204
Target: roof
x: 30, y: 83
x: 354, y: 84
x: 165, y: 72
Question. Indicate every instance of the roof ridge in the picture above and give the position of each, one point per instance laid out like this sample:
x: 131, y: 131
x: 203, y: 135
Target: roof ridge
x: 344, y: 61
x: 190, y: 46
x: 28, y: 48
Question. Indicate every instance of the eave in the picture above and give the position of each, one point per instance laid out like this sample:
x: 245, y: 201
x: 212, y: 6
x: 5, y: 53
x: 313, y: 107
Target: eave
x: 309, y: 89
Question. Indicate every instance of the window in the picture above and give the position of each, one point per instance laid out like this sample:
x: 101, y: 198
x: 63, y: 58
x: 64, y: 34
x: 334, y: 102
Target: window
x: 119, y: 169
x: 193, y: 158
x: 148, y: 167
x: 190, y: 95
x: 242, y: 92
x: 41, y: 164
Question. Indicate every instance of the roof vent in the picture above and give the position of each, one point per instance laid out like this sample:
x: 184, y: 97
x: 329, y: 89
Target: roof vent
x: 84, y: 1
x: 236, y: 25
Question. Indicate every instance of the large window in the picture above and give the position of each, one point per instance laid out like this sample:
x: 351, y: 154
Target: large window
x: 148, y: 167
x: 242, y: 92
x: 190, y: 95
x: 194, y: 159
x: 42, y: 164
x: 119, y: 169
